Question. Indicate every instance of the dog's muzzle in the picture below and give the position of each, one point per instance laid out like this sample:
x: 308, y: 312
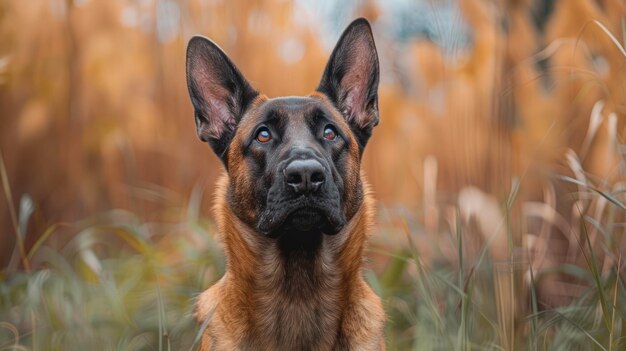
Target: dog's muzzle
x: 302, y: 198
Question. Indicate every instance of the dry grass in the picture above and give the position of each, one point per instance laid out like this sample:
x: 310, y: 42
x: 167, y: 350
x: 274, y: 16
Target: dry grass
x: 119, y: 282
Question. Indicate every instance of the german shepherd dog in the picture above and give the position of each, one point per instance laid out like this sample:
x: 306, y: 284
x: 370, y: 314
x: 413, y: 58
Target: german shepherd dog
x: 292, y: 208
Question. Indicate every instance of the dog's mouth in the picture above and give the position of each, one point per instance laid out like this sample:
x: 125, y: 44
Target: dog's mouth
x: 304, y: 218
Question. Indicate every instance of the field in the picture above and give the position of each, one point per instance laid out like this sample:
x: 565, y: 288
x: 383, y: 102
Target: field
x: 499, y: 167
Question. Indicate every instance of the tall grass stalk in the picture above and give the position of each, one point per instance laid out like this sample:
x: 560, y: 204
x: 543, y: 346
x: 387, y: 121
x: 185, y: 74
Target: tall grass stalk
x: 19, y: 236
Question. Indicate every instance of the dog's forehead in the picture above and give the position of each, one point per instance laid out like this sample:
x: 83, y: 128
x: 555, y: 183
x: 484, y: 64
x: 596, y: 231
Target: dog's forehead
x: 291, y: 109
x: 291, y: 103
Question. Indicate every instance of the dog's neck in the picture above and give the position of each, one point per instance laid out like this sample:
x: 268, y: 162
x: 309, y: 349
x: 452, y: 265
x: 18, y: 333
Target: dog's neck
x: 300, y: 282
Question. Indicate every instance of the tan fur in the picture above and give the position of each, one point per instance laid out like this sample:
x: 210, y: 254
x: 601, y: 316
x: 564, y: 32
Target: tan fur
x: 247, y: 310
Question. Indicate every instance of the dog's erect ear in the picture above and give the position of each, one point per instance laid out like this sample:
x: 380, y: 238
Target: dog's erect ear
x: 219, y: 93
x: 350, y: 79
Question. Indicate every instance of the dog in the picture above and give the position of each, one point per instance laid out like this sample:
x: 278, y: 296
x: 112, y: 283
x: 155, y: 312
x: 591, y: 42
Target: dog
x: 293, y: 209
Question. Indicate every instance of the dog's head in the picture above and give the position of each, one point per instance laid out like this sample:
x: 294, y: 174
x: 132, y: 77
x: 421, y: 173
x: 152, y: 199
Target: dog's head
x: 293, y: 162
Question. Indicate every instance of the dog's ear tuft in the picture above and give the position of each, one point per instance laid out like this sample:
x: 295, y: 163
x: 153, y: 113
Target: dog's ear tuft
x: 219, y: 93
x: 350, y: 79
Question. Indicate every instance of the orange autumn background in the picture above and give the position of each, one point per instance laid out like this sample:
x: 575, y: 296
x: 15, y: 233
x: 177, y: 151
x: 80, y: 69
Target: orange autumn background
x: 479, y: 100
x: 95, y: 111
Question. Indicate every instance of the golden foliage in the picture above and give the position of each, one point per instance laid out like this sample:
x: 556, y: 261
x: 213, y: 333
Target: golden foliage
x: 95, y: 112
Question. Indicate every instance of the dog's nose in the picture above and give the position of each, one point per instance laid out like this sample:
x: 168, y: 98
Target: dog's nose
x: 305, y: 176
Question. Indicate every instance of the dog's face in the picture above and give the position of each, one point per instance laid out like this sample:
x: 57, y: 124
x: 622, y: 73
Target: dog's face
x: 293, y: 162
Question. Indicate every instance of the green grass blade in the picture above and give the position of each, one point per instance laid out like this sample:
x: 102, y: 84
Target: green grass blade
x: 581, y: 329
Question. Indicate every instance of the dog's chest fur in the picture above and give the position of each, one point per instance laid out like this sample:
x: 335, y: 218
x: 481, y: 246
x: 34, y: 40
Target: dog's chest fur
x: 300, y: 296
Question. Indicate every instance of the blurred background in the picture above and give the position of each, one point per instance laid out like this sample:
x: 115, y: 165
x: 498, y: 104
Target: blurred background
x: 502, y: 123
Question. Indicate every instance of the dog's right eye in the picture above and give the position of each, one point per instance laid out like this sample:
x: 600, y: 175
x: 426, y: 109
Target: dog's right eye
x: 263, y: 135
x: 330, y: 133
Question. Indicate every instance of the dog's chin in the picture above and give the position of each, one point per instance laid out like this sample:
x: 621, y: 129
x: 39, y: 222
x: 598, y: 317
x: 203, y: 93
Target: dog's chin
x: 305, y: 220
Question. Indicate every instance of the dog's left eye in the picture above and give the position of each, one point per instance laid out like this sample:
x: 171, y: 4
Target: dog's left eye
x: 263, y: 135
x: 330, y: 133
